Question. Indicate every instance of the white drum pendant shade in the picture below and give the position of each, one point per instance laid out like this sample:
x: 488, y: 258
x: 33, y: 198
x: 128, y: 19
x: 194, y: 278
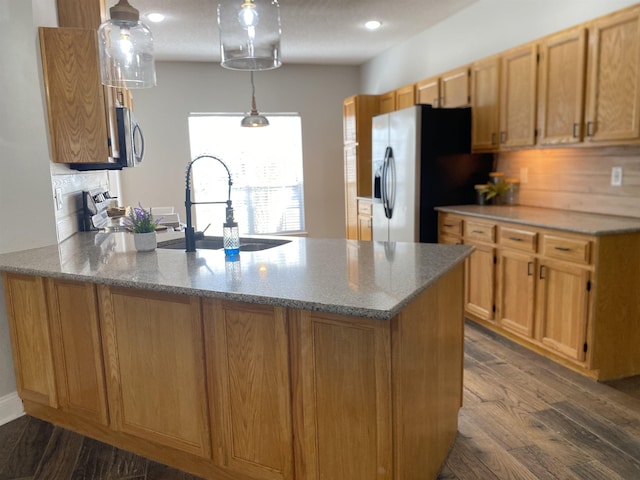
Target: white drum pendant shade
x: 249, y: 34
x: 126, y: 51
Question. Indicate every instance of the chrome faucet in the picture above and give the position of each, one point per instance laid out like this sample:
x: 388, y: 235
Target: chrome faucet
x: 190, y: 235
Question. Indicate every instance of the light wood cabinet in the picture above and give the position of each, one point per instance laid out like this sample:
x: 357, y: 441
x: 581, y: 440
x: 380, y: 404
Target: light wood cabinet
x: 357, y: 114
x: 77, y: 349
x: 75, y: 97
x: 613, y: 84
x: 405, y: 97
x: 387, y: 102
x: 248, y: 377
x: 562, y: 72
x: 81, y: 13
x: 365, y: 231
x: 155, y: 367
x: 30, y: 338
x: 569, y: 296
x: 485, y: 101
x: 448, y: 90
x: 518, y: 89
x: 347, y: 413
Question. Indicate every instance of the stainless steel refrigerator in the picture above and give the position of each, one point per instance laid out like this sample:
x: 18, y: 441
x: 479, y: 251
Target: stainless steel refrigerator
x: 421, y: 159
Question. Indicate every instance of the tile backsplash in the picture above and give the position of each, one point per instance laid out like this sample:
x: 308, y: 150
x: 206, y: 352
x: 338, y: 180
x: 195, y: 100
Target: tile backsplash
x: 577, y: 179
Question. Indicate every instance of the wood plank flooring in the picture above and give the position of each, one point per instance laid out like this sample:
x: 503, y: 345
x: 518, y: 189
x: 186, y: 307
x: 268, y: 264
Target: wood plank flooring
x: 524, y: 417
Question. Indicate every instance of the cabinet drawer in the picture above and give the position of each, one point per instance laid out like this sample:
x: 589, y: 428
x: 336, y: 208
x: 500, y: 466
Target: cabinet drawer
x: 479, y: 231
x: 518, y: 239
x: 450, y: 224
x: 364, y: 207
x: 569, y: 249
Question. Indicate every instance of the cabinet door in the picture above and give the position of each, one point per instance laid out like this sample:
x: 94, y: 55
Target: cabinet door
x: 30, y: 338
x: 248, y: 370
x: 341, y: 397
x: 516, y: 294
x: 518, y: 97
x: 77, y: 348
x: 75, y: 97
x: 351, y: 190
x: 613, y: 97
x: 387, y: 102
x: 405, y: 97
x: 561, y: 88
x: 428, y: 91
x: 480, y: 281
x: 562, y: 308
x: 485, y: 99
x: 455, y: 88
x: 155, y: 367
x: 81, y: 13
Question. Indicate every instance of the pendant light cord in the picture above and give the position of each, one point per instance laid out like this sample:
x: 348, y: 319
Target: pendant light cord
x: 253, y: 96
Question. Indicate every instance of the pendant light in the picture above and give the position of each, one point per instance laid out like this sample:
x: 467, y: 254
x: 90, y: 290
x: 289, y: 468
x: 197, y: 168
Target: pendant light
x: 254, y: 119
x: 126, y: 49
x: 249, y: 34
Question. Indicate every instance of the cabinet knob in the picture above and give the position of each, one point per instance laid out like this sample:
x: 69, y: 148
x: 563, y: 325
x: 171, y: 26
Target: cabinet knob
x: 590, y: 129
x: 576, y: 130
x: 503, y: 137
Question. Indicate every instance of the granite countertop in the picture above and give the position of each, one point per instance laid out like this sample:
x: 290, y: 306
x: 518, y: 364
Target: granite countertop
x: 569, y: 221
x: 346, y: 277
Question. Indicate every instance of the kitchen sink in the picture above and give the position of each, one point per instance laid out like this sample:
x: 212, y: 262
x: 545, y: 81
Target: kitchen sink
x: 216, y: 243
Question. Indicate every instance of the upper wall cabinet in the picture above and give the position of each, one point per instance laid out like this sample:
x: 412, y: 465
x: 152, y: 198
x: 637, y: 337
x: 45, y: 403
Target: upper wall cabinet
x: 75, y: 97
x: 613, y: 85
x: 485, y: 101
x: 561, y: 87
x: 449, y: 90
x: 81, y: 13
x: 405, y: 97
x: 518, y: 97
x: 387, y: 102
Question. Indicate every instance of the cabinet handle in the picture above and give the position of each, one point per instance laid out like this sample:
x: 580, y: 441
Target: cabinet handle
x: 477, y: 231
x: 516, y: 239
x: 563, y: 249
x: 493, y: 138
x: 529, y: 269
x: 590, y: 129
x: 576, y: 130
x: 503, y: 137
x: 448, y: 225
x: 542, y: 270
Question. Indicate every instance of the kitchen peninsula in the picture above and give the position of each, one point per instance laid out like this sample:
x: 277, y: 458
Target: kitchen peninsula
x: 314, y: 359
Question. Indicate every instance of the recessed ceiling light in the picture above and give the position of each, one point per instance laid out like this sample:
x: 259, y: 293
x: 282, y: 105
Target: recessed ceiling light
x: 155, y: 17
x: 373, y: 25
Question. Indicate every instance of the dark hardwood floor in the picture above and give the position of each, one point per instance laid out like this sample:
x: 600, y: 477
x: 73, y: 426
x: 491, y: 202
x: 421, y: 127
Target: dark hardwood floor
x: 524, y: 417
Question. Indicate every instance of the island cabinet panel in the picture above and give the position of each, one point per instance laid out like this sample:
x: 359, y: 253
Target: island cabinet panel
x: 154, y: 357
x: 613, y: 85
x: 77, y: 349
x: 249, y: 384
x: 30, y: 338
x: 427, y: 356
x: 341, y: 397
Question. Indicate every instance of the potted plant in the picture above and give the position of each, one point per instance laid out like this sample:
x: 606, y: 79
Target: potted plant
x: 143, y: 225
x: 495, y: 191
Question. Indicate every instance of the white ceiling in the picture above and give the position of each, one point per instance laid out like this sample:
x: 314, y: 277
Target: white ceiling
x: 313, y: 31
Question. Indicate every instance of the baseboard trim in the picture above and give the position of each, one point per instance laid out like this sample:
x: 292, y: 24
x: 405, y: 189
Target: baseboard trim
x: 10, y: 408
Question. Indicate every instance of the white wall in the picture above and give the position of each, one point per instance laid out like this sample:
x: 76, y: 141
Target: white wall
x: 485, y: 28
x: 316, y: 92
x: 25, y: 184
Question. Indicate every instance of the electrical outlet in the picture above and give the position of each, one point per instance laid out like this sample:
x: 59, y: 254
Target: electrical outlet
x: 524, y: 175
x: 58, y: 198
x: 616, y: 176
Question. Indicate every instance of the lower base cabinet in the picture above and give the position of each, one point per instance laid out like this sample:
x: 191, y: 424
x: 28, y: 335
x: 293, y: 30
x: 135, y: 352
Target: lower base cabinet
x: 238, y: 391
x: 571, y: 297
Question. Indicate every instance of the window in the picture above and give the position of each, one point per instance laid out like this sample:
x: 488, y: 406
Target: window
x: 266, y: 169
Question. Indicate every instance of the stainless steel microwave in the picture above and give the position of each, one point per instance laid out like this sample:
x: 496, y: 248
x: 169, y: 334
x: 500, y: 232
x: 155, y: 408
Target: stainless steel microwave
x: 130, y: 145
x: 130, y: 138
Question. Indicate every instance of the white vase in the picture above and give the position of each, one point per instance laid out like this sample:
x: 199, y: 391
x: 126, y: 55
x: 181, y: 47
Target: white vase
x: 145, y: 242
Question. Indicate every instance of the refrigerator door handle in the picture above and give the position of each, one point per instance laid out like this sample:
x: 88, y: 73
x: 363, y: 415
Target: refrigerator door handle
x: 388, y: 183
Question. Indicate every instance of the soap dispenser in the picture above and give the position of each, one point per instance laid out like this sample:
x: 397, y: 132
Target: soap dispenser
x: 230, y: 234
